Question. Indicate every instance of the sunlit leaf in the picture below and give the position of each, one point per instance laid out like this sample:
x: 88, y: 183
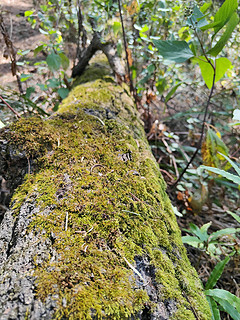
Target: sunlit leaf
x: 226, y: 35
x: 221, y: 66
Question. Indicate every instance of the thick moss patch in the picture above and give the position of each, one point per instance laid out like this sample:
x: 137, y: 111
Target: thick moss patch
x: 102, y: 199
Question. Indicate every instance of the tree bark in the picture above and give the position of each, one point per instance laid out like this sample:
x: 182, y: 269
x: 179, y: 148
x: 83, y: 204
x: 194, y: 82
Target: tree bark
x: 90, y: 232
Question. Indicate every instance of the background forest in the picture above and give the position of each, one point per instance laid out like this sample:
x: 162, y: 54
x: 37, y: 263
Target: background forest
x: 181, y: 60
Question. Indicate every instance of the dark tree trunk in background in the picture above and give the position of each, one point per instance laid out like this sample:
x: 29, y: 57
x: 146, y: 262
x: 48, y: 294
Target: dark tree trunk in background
x: 90, y: 232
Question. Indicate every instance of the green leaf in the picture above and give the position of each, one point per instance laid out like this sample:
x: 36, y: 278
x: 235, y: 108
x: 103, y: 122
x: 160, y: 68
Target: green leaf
x: 177, y: 51
x: 29, y: 91
x: 228, y: 308
x: 28, y: 13
x: 38, y: 49
x: 223, y: 173
x: 63, y: 92
x: 234, y: 215
x: 205, y: 6
x: 223, y: 232
x: 197, y: 19
x: 225, y: 12
x: 232, y: 163
x: 214, y: 309
x: 192, y: 241
x: 221, y: 295
x: 25, y: 77
x: 172, y: 91
x: 216, y: 273
x: 200, y: 233
x: 64, y: 60
x: 116, y: 27
x: 225, y: 37
x: 222, y: 16
x: 221, y: 66
x: 53, y: 61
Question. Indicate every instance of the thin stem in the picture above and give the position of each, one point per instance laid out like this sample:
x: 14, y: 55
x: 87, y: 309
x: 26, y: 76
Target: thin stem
x: 8, y: 105
x: 202, y: 132
x: 125, y: 46
x: 206, y: 109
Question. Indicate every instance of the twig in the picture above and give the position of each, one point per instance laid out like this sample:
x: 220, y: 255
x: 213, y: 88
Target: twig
x: 11, y: 51
x: 205, y: 113
x: 66, y: 221
x: 8, y: 105
x: 126, y: 51
x: 80, y: 29
x: 135, y: 270
x: 194, y: 312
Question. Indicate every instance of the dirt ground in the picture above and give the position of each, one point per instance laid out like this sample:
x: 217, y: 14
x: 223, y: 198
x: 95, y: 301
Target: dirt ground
x: 21, y: 34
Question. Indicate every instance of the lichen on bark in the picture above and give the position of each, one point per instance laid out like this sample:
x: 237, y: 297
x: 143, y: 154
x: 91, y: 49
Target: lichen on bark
x: 99, y: 206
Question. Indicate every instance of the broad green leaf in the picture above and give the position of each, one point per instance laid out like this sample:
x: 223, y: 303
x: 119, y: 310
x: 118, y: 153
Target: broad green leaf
x: 214, y: 309
x: 172, y: 91
x: 64, y: 60
x: 177, y: 51
x: 192, y: 241
x: 226, y: 35
x: 235, y: 216
x: 2, y: 125
x: 53, y: 61
x: 216, y: 273
x: 221, y: 66
x: 223, y: 173
x: 63, y: 92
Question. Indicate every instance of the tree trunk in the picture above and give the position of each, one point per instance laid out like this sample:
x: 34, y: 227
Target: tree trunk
x: 90, y: 232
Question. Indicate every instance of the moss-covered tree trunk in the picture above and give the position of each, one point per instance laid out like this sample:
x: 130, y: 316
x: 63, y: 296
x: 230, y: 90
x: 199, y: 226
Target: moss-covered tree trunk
x: 90, y: 232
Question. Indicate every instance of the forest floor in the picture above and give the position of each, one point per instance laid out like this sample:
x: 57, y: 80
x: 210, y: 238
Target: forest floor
x: 166, y: 127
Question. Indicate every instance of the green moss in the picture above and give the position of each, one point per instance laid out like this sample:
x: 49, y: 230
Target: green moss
x: 116, y: 208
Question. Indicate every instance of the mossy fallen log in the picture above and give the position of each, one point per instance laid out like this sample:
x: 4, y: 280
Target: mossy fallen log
x: 90, y: 232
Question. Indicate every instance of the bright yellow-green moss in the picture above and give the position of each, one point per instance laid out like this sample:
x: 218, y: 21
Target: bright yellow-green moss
x: 97, y: 173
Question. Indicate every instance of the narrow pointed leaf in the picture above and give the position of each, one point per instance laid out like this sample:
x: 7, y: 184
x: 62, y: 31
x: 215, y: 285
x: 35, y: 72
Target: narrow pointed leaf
x: 233, y: 300
x: 214, y: 309
x: 225, y: 37
x: 216, y: 273
x: 223, y: 173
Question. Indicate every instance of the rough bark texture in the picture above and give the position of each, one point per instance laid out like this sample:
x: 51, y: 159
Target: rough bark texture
x: 90, y: 232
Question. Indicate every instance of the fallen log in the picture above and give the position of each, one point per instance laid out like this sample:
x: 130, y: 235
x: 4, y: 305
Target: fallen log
x: 90, y: 232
